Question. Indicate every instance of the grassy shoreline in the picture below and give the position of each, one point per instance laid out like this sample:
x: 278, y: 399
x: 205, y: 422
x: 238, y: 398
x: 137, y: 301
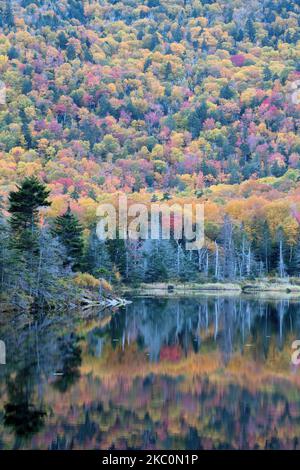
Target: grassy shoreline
x: 169, y: 289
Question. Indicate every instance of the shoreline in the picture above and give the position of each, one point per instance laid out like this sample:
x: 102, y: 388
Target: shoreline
x: 260, y: 288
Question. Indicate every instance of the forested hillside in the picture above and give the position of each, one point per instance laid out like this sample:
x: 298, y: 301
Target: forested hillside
x: 182, y: 101
x: 103, y: 95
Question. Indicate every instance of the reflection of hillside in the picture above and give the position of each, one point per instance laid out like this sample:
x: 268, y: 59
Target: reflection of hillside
x: 130, y: 363
x: 159, y: 412
x: 211, y: 373
x: 206, y: 324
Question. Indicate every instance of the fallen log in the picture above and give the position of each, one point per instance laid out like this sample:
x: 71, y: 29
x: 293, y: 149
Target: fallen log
x: 105, y: 303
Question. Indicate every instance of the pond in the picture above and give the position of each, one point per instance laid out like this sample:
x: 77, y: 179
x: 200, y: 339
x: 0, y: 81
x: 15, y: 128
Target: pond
x: 191, y: 373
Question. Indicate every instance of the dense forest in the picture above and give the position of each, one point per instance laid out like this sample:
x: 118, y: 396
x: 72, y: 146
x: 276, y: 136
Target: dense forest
x: 165, y: 101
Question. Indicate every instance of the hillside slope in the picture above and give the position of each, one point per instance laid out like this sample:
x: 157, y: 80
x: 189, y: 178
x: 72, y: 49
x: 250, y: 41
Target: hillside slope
x: 107, y: 95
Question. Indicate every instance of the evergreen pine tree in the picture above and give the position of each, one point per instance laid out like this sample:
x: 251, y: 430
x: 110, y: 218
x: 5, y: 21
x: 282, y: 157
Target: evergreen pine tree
x: 8, y: 16
x: 160, y: 260
x: 184, y: 263
x: 267, y: 73
x: 71, y: 52
x: 62, y: 40
x: 196, y: 119
x: 147, y: 64
x: 155, y: 268
x: 227, y: 92
x: 69, y: 232
x: 251, y: 29
x: 76, y: 10
x: 135, y: 261
x: 48, y: 270
x: 24, y: 205
x: 3, y: 251
x: 117, y: 252
x: 97, y: 258
x: 295, y: 262
x: 168, y: 70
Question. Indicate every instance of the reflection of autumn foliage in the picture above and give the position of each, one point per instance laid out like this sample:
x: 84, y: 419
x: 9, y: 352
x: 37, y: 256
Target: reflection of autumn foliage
x: 133, y: 363
x: 186, y: 397
x: 242, y: 368
x: 152, y: 412
x: 170, y: 353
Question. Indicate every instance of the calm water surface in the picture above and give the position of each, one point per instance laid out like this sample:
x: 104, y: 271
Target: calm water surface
x: 206, y: 372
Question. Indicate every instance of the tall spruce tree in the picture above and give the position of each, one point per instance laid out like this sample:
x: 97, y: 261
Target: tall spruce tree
x: 8, y: 15
x: 250, y: 28
x: 159, y: 260
x: 117, y: 252
x: 69, y: 232
x: 4, y: 253
x: 24, y: 205
x: 97, y: 259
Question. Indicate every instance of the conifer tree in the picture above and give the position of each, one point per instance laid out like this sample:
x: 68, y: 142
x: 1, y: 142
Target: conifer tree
x: 69, y: 232
x: 24, y: 207
x: 117, y: 252
x: 8, y: 16
x: 251, y: 29
x: 160, y: 260
x: 4, y: 255
x: 97, y: 258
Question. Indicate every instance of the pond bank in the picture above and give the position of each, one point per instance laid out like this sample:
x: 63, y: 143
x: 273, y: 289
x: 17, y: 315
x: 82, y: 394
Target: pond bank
x: 191, y: 289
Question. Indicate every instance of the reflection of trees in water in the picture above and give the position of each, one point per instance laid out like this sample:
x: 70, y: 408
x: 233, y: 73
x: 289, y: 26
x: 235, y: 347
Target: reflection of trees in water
x: 70, y: 353
x: 158, y: 414
x: 225, y: 323
x: 154, y: 406
x: 35, y: 352
x: 24, y: 411
x: 20, y: 412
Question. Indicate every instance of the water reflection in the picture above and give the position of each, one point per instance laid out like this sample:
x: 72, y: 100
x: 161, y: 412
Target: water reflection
x: 209, y: 372
x: 224, y: 323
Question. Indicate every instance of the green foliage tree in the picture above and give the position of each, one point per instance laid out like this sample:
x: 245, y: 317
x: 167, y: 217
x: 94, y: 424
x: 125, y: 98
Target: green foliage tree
x: 196, y: 119
x: 69, y: 232
x: 97, y: 257
x: 8, y: 15
x: 24, y: 207
x: 227, y: 92
x: 251, y: 29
